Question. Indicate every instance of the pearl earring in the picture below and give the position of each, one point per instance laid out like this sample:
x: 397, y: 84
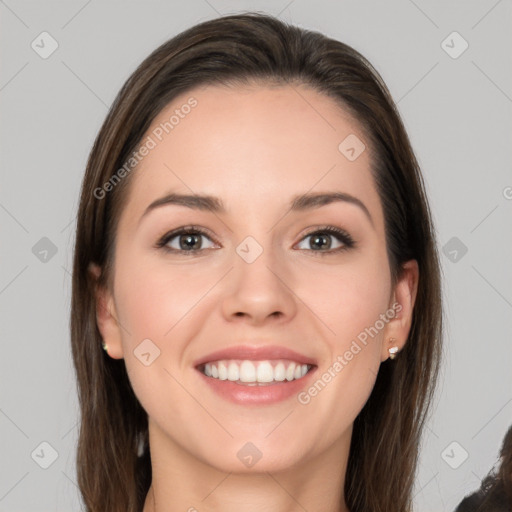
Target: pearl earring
x: 392, y: 350
x: 105, y: 346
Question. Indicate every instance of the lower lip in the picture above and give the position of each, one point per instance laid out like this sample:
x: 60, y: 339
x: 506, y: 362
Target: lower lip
x: 255, y: 394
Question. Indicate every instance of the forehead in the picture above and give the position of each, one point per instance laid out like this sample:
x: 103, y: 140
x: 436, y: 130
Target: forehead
x: 257, y: 145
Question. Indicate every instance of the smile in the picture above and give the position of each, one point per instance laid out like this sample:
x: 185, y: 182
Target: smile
x: 255, y: 372
x: 253, y: 383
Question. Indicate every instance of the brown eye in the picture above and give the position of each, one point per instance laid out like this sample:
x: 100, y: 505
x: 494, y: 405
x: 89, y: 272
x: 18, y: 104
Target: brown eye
x: 321, y: 240
x: 184, y: 240
x: 191, y: 241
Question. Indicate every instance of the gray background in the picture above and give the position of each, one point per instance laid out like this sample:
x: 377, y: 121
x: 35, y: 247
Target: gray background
x: 456, y: 110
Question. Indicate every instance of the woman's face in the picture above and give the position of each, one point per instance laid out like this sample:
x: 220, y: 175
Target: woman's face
x: 262, y: 274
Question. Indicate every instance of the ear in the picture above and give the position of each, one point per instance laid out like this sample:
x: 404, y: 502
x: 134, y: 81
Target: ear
x: 106, y: 316
x: 402, y: 303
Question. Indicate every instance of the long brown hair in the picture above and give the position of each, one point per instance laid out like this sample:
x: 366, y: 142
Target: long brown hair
x: 113, y: 461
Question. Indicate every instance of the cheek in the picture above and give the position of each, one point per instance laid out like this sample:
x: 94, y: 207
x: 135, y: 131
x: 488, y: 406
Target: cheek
x: 154, y: 297
x: 167, y: 304
x: 349, y: 298
x: 352, y: 313
x: 157, y: 302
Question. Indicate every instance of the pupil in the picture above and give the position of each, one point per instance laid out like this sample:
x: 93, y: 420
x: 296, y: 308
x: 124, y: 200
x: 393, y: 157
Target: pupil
x: 188, y: 241
x: 321, y: 237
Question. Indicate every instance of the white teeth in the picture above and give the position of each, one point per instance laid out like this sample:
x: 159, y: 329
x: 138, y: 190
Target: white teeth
x: 255, y: 371
x: 265, y: 372
x: 247, y: 372
x: 279, y: 372
x: 233, y: 372
x: 223, y: 371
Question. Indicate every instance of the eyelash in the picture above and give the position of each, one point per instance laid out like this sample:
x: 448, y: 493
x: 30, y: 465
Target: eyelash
x: 343, y: 236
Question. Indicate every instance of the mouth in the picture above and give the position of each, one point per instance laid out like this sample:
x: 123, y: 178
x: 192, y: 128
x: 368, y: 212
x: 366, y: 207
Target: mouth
x: 261, y: 375
x: 255, y: 373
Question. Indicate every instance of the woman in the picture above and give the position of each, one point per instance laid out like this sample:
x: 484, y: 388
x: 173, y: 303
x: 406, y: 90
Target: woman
x: 495, y: 492
x: 256, y: 255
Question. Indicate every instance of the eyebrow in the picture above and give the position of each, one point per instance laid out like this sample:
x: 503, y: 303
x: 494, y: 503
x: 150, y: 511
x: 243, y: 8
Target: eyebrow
x: 303, y: 202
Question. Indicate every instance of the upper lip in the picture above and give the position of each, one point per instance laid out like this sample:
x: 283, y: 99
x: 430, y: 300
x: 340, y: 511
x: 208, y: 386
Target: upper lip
x: 252, y: 353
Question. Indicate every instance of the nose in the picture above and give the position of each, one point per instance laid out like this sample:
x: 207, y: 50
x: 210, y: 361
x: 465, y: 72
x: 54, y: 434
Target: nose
x: 259, y: 292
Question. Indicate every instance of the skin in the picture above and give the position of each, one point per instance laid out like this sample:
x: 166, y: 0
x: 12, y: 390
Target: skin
x: 255, y: 148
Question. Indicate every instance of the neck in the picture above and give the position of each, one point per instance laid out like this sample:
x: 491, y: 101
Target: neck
x: 181, y: 482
